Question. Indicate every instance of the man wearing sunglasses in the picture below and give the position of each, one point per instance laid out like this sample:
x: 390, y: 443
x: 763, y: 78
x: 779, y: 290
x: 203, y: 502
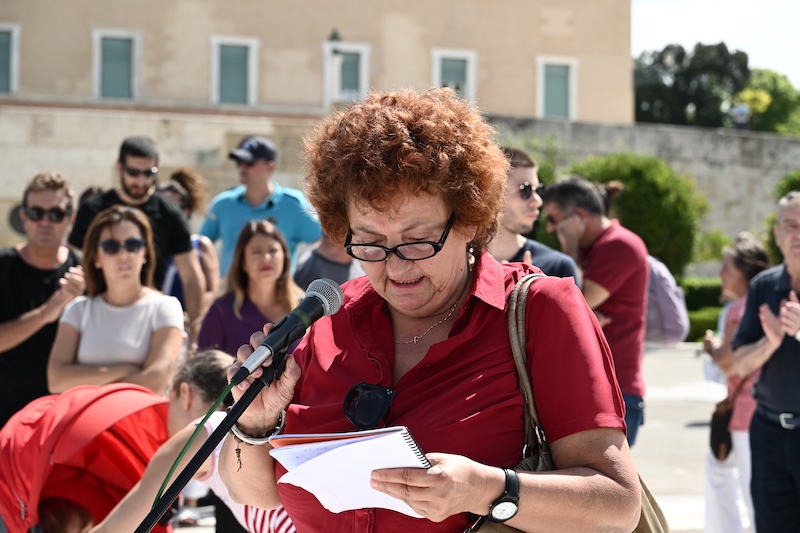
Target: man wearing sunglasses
x: 615, y: 279
x: 258, y: 198
x: 520, y: 212
x: 40, y: 277
x: 138, y: 167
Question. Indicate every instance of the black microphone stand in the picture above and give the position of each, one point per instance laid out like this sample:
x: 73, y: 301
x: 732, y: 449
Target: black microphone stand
x: 270, y: 374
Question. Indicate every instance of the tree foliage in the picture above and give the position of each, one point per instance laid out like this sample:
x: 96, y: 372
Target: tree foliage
x: 784, y: 101
x: 674, y: 86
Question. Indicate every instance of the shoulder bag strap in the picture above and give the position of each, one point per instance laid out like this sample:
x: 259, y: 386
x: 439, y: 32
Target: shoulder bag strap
x: 516, y: 331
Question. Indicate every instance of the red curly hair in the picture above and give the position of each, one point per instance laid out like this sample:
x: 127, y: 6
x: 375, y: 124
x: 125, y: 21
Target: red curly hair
x: 405, y: 143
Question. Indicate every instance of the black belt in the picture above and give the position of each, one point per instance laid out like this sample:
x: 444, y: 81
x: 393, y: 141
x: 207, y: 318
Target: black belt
x: 786, y: 420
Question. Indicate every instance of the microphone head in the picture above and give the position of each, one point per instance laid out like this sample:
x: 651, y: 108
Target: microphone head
x: 328, y: 292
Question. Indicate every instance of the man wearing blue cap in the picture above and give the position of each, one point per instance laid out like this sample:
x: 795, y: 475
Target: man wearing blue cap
x: 258, y: 198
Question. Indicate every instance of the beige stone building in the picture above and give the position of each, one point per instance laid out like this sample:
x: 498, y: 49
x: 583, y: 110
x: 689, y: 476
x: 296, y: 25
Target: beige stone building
x: 198, y: 75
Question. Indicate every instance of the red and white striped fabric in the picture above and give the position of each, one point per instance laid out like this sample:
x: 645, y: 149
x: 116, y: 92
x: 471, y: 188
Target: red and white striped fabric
x: 267, y: 521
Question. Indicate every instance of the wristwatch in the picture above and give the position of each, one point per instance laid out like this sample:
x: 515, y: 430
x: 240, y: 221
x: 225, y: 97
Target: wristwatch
x: 507, y: 505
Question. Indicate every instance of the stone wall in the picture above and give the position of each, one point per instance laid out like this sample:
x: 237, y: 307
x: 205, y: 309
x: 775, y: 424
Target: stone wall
x: 736, y: 170
x: 84, y: 144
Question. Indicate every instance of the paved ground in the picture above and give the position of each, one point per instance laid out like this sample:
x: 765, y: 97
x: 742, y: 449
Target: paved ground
x: 672, y: 443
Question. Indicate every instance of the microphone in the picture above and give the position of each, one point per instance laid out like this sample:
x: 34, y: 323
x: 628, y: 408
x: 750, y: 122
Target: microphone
x: 323, y: 298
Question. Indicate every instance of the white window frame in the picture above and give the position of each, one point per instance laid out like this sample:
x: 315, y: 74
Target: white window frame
x: 97, y: 45
x: 13, y: 85
x: 572, y: 104
x: 331, y: 75
x: 437, y: 54
x: 253, y: 46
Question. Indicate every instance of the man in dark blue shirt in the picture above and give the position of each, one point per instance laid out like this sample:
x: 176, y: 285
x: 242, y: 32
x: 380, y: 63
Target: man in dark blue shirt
x: 520, y: 211
x: 768, y: 340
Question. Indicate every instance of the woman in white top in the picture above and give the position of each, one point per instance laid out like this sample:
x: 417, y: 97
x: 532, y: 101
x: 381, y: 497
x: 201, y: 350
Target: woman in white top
x: 125, y: 330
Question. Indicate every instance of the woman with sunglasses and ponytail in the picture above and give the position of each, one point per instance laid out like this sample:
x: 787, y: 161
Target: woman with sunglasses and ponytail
x: 413, y: 186
x: 125, y: 330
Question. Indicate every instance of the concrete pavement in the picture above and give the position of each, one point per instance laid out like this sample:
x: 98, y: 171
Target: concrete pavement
x: 671, y: 446
x: 670, y: 451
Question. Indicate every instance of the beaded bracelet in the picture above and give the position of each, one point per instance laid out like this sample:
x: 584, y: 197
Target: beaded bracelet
x: 240, y: 437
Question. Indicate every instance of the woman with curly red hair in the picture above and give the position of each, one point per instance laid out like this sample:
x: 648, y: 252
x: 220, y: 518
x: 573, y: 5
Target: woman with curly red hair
x: 413, y: 185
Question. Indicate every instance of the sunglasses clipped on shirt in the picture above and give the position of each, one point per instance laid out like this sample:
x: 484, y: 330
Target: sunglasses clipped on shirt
x: 365, y: 404
x: 526, y: 190
x: 112, y: 247
x: 135, y: 172
x: 54, y: 214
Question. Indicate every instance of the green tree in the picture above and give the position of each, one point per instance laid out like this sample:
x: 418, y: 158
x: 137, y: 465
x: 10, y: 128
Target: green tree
x: 674, y: 86
x: 784, y: 102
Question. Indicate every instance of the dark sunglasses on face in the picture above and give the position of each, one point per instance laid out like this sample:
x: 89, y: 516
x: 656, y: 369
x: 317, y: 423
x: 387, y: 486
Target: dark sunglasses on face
x: 526, y: 190
x: 54, y: 214
x: 112, y: 247
x: 135, y: 172
x: 365, y: 405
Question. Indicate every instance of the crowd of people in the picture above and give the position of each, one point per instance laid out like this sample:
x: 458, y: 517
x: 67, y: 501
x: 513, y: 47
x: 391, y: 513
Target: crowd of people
x: 412, y: 206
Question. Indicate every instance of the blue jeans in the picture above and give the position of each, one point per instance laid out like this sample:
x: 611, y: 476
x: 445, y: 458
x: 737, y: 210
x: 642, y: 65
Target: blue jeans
x: 634, y: 415
x: 775, y: 484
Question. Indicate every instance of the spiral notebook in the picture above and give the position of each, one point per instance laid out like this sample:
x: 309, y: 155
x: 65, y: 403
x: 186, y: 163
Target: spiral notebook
x: 336, y: 467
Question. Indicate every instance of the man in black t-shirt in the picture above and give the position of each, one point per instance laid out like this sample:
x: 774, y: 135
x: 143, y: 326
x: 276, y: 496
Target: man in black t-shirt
x: 39, y: 278
x: 137, y: 166
x: 520, y: 211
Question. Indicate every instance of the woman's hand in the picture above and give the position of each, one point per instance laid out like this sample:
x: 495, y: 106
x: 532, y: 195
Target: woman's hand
x: 261, y: 416
x: 709, y: 342
x: 453, y: 485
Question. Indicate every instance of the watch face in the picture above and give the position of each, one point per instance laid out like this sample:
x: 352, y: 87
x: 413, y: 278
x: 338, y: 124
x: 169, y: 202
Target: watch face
x: 504, y: 510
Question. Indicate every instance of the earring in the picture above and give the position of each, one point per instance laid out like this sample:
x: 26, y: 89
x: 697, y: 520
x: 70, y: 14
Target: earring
x: 97, y: 265
x: 471, y: 258
x: 144, y: 262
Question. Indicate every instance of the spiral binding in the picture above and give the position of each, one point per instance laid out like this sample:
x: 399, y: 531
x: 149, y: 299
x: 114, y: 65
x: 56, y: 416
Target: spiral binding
x: 412, y: 444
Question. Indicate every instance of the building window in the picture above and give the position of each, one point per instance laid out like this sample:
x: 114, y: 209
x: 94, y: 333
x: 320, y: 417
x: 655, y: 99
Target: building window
x: 234, y: 70
x: 9, y: 57
x: 116, y: 62
x: 556, y: 87
x: 346, y: 74
x: 455, y: 69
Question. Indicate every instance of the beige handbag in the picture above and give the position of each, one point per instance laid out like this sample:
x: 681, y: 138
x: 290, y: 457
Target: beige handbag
x: 652, y: 519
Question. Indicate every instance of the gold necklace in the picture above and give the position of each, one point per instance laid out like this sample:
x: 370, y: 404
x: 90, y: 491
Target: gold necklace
x: 417, y: 338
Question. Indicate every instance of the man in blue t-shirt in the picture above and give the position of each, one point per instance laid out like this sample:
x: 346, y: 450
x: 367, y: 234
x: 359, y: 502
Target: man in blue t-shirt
x: 520, y: 211
x: 258, y: 198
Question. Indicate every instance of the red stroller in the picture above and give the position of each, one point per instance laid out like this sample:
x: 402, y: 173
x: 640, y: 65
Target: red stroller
x: 89, y: 445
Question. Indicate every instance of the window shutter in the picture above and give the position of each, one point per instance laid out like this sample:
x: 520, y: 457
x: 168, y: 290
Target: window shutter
x: 5, y: 61
x: 233, y: 74
x: 556, y: 91
x: 116, y: 71
x: 454, y: 74
x: 351, y: 71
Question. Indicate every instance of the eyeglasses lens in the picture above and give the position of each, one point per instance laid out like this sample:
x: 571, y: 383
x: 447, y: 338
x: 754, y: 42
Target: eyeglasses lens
x: 365, y: 405
x: 135, y: 172
x: 112, y: 247
x: 526, y: 190
x: 54, y: 214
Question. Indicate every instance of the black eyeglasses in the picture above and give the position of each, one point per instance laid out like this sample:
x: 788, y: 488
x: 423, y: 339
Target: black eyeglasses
x: 365, y: 404
x: 526, y: 190
x: 54, y: 214
x: 410, y: 251
x: 112, y: 247
x: 149, y: 173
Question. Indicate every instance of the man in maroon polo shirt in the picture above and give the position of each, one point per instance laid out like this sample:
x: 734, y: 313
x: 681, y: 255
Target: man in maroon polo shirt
x: 613, y: 261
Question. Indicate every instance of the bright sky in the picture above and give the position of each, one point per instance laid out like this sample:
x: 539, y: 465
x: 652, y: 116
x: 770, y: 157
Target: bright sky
x: 765, y: 29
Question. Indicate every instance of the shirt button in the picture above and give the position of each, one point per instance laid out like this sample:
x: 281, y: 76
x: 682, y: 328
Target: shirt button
x: 427, y: 367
